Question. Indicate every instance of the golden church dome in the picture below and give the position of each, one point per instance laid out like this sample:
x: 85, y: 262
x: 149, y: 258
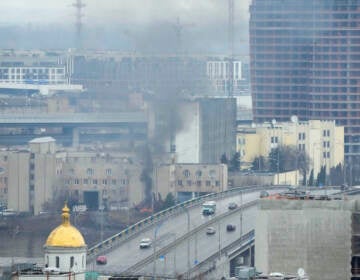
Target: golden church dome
x: 65, y: 235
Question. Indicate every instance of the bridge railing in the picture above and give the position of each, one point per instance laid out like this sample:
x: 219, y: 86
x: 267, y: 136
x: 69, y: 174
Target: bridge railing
x: 138, y: 227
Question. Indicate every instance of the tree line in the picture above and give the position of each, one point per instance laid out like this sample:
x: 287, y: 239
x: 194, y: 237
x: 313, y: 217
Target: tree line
x: 288, y: 158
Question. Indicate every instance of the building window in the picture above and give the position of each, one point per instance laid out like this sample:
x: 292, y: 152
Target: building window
x: 57, y: 262
x: 198, y: 183
x: 90, y: 171
x: 71, y: 262
x: 180, y: 183
x: 76, y: 181
x: 113, y: 181
x: 95, y: 181
x: 189, y: 183
x: 198, y: 173
x: 217, y: 183
x: 212, y: 174
x: 186, y: 173
x: 86, y: 181
x: 208, y: 183
x: 108, y: 171
x: 104, y: 181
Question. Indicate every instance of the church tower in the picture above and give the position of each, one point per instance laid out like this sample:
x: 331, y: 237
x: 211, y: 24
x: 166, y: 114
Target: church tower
x: 65, y: 249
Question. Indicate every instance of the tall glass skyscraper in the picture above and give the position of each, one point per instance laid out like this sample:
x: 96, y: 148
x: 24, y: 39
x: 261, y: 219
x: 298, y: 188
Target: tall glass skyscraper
x: 305, y: 61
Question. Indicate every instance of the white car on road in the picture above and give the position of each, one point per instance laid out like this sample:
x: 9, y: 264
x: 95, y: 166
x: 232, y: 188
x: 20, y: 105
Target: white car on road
x: 145, y: 243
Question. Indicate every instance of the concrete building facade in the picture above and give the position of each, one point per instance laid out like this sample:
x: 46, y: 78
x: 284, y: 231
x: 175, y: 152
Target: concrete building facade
x: 31, y: 176
x: 323, y: 141
x: 320, y: 236
x: 186, y: 181
x: 200, y: 129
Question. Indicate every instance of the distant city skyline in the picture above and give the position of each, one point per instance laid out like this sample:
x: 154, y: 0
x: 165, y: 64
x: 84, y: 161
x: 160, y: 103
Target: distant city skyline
x: 125, y: 25
x: 125, y: 11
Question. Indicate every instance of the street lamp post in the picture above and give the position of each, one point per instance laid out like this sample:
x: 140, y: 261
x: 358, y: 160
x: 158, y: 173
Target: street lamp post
x: 188, y: 243
x: 154, y: 249
x: 241, y: 215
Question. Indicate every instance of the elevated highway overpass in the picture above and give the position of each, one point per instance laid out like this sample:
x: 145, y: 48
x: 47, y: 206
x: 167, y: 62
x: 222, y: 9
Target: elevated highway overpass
x: 180, y: 244
x: 72, y: 129
x: 179, y: 235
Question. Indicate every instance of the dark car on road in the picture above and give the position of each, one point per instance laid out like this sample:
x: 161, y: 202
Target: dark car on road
x: 232, y: 206
x: 230, y: 227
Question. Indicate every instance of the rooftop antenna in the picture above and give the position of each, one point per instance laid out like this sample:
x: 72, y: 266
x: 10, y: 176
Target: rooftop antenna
x: 79, y: 5
x: 231, y: 47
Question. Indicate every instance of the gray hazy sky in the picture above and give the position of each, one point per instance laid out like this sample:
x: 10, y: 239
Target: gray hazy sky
x: 124, y: 24
x: 122, y: 11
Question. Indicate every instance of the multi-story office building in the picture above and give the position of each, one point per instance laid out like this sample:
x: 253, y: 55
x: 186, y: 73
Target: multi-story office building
x: 30, y: 178
x: 322, y: 141
x: 304, y: 61
x: 101, y: 179
x: 186, y: 181
x: 31, y: 175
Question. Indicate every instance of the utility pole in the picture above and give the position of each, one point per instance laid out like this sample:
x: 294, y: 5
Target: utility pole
x: 231, y: 47
x: 79, y: 5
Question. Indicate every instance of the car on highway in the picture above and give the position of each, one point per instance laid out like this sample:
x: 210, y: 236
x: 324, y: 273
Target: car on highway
x: 230, y: 227
x: 210, y: 231
x: 232, y: 206
x: 101, y: 260
x: 145, y: 243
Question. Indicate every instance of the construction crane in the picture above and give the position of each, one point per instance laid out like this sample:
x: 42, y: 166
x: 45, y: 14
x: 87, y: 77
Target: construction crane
x: 231, y: 47
x: 178, y: 28
x: 79, y: 5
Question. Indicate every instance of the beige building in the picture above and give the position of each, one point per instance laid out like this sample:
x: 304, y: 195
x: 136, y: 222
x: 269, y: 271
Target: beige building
x: 31, y: 177
x: 101, y: 179
x: 323, y: 141
x: 189, y: 180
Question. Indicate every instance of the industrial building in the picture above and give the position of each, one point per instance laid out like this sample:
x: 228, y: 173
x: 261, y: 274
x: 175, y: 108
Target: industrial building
x: 304, y: 61
x: 314, y: 233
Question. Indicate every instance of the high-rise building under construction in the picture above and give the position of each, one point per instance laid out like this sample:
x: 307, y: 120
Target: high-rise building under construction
x: 305, y: 61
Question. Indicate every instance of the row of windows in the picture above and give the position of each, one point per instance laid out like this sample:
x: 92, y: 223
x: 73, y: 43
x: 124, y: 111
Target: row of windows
x: 197, y: 183
x: 57, y: 261
x: 96, y: 181
x: 32, y: 70
x: 90, y: 171
x: 199, y: 173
